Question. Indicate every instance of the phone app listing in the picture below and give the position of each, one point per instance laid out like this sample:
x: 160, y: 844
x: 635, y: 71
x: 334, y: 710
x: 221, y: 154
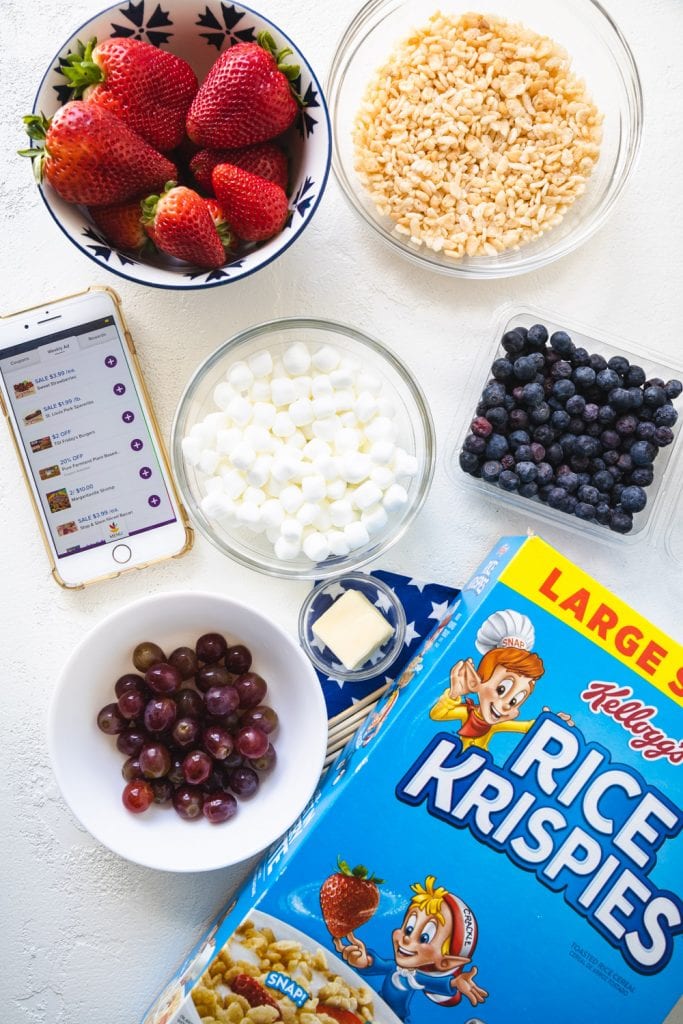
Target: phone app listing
x: 85, y: 436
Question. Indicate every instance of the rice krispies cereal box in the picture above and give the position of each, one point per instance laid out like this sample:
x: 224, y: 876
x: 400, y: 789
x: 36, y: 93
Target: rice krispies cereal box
x: 499, y: 843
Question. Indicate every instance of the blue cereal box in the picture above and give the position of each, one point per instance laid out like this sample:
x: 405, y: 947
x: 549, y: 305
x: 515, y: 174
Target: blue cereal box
x: 499, y: 844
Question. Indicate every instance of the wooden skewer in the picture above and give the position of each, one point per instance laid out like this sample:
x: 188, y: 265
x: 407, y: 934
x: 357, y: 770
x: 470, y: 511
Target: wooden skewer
x: 348, y: 712
x: 340, y: 739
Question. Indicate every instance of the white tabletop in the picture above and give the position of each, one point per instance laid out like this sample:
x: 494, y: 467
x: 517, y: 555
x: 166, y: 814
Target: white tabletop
x: 86, y: 936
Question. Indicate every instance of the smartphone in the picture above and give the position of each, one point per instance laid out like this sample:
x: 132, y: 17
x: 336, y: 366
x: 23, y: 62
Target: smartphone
x: 85, y: 433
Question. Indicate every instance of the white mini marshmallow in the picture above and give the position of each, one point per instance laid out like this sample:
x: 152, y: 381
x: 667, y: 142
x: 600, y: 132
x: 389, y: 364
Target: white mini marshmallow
x: 316, y: 547
x: 243, y: 456
x: 282, y: 391
x: 261, y: 364
x: 217, y: 506
x: 369, y: 381
x: 317, y: 448
x: 383, y: 477
x: 301, y: 412
x: 239, y: 411
x: 203, y: 434
x: 382, y: 452
x: 374, y: 520
x: 272, y: 513
x: 381, y: 429
x: 259, y: 473
x: 365, y: 407
x: 326, y: 428
x: 367, y: 495
x: 355, y: 466
x: 226, y: 440
x: 297, y: 359
x: 260, y: 390
x: 327, y: 466
x: 342, y: 377
x: 338, y: 543
x: 348, y: 419
x: 249, y: 514
x: 336, y: 489
x: 240, y: 376
x: 217, y: 421
x: 274, y: 488
x: 344, y: 400
x: 208, y: 461
x: 254, y: 495
x: 192, y: 450
x: 285, y: 465
x: 302, y: 386
x: 263, y: 414
x: 291, y: 499
x: 323, y: 520
x: 395, y: 498
x: 347, y: 440
x: 282, y: 425
x: 326, y: 359
x: 307, y: 513
x: 287, y: 550
x: 341, y: 512
x: 356, y: 535
x: 314, y: 487
x: 234, y: 482
x: 324, y: 406
x: 259, y: 438
x: 321, y: 385
x: 223, y: 394
x: 291, y: 529
x: 297, y: 440
x: 273, y: 534
x: 405, y: 464
x: 214, y: 485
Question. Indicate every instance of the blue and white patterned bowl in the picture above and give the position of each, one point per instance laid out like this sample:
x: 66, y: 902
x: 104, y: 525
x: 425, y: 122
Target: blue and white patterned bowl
x: 197, y: 31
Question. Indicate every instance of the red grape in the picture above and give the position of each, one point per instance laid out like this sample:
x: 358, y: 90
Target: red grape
x: 211, y: 647
x: 137, y: 796
x: 188, y: 801
x: 186, y: 732
x: 234, y: 760
x: 131, y: 769
x: 163, y: 678
x: 130, y: 682
x: 147, y: 654
x: 176, y: 775
x: 251, y: 742
x: 197, y: 767
x: 185, y: 660
x: 251, y: 688
x: 110, y: 720
x: 163, y: 791
x: 221, y: 700
x: 261, y: 716
x: 217, y: 742
x: 219, y: 806
x: 266, y: 761
x: 160, y: 714
x: 212, y: 675
x: 131, y: 703
x: 131, y: 741
x: 189, y: 703
x: 243, y: 781
x: 238, y: 659
x: 155, y: 760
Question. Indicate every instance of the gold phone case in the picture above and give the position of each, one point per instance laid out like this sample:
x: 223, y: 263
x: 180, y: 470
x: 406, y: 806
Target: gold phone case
x: 156, y: 435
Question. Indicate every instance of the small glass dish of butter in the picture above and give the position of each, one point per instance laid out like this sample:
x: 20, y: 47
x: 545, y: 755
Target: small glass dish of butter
x: 352, y: 627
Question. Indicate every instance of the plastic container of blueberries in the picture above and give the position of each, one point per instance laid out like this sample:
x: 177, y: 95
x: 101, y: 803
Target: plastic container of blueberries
x: 658, y: 521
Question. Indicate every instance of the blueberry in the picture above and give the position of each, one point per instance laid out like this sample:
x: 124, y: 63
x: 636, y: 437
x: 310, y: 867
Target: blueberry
x: 554, y: 454
x: 561, y: 370
x: 544, y: 492
x: 529, y: 490
x: 493, y: 394
x: 619, y: 399
x: 524, y: 368
x: 584, y: 376
x: 619, y: 364
x: 576, y: 425
x: 537, y: 452
x: 544, y: 473
x: 610, y: 458
x: 575, y: 405
x: 589, y: 446
x: 654, y: 396
x: 475, y: 445
x: 655, y: 382
x: 563, y: 389
x: 673, y: 388
x: 617, y: 492
x: 606, y: 414
x: 620, y: 521
x: 533, y: 394
x: 513, y: 342
x: 508, y: 480
x: 646, y: 431
x: 665, y: 416
x: 597, y: 362
x: 497, y: 417
x: 590, y: 413
x: 537, y: 335
x: 518, y: 437
x: 636, y: 396
x: 540, y: 414
x: 596, y: 465
x: 642, y: 453
x: 518, y: 419
x: 603, y: 480
x: 527, y: 472
x: 645, y: 413
x: 607, y: 380
x: 543, y: 434
x: 508, y: 461
x: 480, y: 409
x: 568, y: 442
x: 569, y: 481
x: 557, y: 497
x: 588, y: 494
x: 625, y: 463
x: 603, y: 513
x: 584, y: 511
x: 560, y: 419
x: 469, y: 462
x: 635, y: 376
x: 584, y: 479
x: 509, y: 403
x: 663, y: 436
x: 592, y: 429
x: 491, y: 470
x: 614, y: 470
x: 551, y: 357
x: 610, y: 439
x: 570, y: 503
x: 562, y: 343
x: 633, y: 499
x: 579, y: 464
x: 580, y: 357
x: 643, y: 476
x: 523, y: 453
x: 538, y: 360
x: 626, y: 425
x: 497, y: 446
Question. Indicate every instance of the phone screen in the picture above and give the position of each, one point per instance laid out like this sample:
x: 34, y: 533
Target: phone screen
x: 86, y: 436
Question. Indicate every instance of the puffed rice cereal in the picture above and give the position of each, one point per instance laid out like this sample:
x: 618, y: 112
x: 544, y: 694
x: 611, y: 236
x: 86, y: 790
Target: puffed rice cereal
x: 475, y: 136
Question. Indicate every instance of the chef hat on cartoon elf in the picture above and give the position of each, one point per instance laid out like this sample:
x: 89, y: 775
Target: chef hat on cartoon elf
x: 506, y: 629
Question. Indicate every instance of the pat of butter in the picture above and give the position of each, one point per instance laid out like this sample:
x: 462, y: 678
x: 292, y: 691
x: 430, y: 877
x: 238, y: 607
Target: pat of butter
x: 353, y: 629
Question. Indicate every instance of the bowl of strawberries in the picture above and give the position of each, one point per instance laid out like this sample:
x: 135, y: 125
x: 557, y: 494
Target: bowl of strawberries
x: 183, y: 148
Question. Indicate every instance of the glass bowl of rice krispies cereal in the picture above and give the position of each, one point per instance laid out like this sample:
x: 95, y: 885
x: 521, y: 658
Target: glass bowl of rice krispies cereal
x: 484, y: 140
x: 269, y: 972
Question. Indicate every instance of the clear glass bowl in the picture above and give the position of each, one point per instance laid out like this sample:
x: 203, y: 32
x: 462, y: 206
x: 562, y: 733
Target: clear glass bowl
x: 416, y: 436
x: 600, y: 55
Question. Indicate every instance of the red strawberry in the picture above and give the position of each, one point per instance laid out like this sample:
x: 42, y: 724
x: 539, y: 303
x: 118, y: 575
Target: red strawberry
x: 256, y: 209
x: 253, y: 991
x: 149, y: 89
x: 122, y: 225
x: 224, y: 230
x: 340, y: 1015
x: 180, y: 223
x: 91, y: 157
x: 348, y: 899
x: 264, y: 159
x: 245, y: 98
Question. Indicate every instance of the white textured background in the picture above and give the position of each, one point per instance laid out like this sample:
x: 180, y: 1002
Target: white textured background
x: 84, y: 936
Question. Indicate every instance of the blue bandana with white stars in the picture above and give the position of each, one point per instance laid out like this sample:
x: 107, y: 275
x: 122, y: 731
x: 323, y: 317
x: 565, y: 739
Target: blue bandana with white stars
x: 425, y: 605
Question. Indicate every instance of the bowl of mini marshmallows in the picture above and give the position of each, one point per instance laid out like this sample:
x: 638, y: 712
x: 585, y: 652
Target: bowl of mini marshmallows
x: 302, y: 448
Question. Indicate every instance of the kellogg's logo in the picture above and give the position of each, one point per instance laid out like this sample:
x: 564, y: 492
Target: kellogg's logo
x: 634, y: 716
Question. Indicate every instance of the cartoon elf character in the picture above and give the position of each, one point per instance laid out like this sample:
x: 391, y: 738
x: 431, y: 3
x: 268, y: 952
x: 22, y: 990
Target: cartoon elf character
x: 504, y: 679
x: 434, y: 943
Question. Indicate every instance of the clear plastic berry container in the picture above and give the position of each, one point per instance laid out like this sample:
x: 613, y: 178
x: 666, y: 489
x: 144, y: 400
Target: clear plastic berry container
x: 656, y: 519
